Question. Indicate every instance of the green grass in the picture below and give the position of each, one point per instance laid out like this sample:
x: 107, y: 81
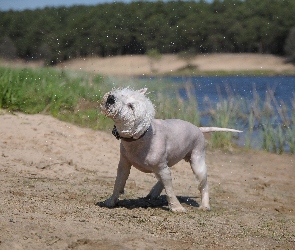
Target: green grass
x: 66, y: 95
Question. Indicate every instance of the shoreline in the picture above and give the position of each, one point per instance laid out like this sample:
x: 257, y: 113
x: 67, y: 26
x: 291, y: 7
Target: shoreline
x: 177, y: 65
x: 223, y: 64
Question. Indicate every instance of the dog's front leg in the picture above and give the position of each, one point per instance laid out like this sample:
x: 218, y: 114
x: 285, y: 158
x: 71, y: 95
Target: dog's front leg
x: 123, y: 172
x: 165, y: 176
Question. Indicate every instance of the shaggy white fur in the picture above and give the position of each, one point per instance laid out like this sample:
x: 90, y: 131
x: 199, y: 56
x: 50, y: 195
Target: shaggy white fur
x: 131, y: 111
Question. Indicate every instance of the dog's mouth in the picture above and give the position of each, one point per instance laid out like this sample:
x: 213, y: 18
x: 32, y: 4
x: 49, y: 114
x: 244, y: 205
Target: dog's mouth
x: 108, y: 106
x: 110, y: 101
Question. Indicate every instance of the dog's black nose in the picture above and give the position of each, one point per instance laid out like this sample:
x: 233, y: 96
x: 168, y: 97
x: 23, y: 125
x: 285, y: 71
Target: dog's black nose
x: 110, y: 100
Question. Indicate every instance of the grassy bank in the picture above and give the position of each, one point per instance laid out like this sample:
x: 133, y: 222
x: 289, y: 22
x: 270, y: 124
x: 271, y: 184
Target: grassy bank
x: 75, y: 97
x: 66, y: 95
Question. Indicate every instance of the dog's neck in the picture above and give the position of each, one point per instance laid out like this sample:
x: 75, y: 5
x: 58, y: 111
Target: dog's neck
x: 118, y: 136
x: 132, y: 129
x: 116, y: 133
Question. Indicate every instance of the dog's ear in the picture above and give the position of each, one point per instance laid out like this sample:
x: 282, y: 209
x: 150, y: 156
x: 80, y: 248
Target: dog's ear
x: 130, y: 105
x: 142, y: 91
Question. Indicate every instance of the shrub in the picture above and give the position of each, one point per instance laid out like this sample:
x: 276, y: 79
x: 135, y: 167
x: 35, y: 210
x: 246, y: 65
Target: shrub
x: 290, y: 44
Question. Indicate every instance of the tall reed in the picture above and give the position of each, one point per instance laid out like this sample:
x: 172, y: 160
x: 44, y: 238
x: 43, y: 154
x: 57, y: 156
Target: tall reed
x: 224, y: 115
x: 170, y: 104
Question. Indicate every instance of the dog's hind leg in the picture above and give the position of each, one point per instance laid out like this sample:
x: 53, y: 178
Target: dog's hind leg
x: 198, y: 166
x: 156, y: 190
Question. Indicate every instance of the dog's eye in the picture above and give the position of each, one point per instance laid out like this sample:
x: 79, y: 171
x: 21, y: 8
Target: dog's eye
x: 130, y: 105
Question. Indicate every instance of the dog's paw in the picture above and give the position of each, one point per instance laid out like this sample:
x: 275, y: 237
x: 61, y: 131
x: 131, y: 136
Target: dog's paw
x: 204, y: 208
x: 110, y: 202
x: 179, y: 209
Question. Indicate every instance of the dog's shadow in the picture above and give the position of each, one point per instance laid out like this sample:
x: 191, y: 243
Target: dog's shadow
x: 160, y: 202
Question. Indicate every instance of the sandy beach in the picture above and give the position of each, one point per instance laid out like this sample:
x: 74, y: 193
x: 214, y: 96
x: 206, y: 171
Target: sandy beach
x: 136, y: 65
x: 55, y: 176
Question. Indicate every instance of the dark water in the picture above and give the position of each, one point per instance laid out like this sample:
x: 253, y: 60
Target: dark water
x: 238, y: 86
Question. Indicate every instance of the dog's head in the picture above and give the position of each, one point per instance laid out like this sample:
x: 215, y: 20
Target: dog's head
x: 130, y: 109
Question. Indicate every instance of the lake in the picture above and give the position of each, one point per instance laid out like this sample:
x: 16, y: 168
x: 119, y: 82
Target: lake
x: 241, y: 87
x: 238, y: 86
x: 216, y: 87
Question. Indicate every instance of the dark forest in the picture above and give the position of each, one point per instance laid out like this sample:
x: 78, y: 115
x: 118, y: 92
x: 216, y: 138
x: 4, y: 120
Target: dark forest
x: 58, y: 34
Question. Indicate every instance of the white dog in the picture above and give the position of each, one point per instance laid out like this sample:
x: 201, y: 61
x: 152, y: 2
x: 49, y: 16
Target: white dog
x: 154, y: 145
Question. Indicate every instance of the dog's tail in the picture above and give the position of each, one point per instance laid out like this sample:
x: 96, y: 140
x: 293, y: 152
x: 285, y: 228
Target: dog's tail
x: 216, y: 129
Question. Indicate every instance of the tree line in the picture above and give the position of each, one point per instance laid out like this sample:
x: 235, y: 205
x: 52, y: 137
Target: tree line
x: 58, y: 34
